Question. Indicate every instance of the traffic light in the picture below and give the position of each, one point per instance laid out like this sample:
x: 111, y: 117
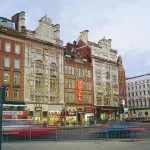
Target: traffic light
x: 2, y: 93
x: 121, y: 108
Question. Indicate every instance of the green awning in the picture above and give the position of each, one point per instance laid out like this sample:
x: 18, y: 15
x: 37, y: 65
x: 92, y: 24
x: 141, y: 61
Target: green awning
x: 142, y: 108
x: 14, y: 102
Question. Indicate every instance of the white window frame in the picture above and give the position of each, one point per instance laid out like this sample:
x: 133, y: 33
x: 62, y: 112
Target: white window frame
x: 17, y: 51
x: 16, y: 75
x: 7, y: 50
x: 17, y: 94
x: 7, y: 76
x: 6, y: 58
x: 17, y: 67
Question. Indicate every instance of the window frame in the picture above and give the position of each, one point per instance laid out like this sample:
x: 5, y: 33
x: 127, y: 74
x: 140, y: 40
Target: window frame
x: 19, y: 49
x: 9, y: 45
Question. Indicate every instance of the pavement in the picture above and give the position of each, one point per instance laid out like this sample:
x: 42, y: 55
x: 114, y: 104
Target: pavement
x: 110, y: 145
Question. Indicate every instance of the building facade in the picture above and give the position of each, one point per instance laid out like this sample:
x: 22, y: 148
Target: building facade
x: 78, y: 87
x: 43, y: 70
x: 105, y: 77
x: 122, y: 81
x: 12, y: 61
x: 138, y: 95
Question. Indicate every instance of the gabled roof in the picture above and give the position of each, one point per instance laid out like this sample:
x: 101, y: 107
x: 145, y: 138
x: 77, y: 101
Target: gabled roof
x: 72, y: 49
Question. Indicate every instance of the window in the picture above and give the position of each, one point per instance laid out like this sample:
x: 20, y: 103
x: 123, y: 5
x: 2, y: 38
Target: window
x: 16, y: 94
x: 17, y: 49
x: 87, y: 85
x: 6, y: 94
x: 52, y: 99
x: 129, y: 94
x: 17, y: 64
x: 6, y: 77
x: 128, y: 89
x: 16, y: 78
x: 69, y: 70
x: 139, y: 86
x: 132, y: 88
x: 78, y: 73
x: 98, y: 76
x: 87, y: 98
x: 132, y: 94
x: 69, y: 83
x: 7, y: 46
x: 148, y: 85
x: 52, y: 57
x: 53, y: 83
x: 143, y: 86
x: 136, y: 87
x: 99, y: 100
x: 7, y: 62
x: 70, y: 97
x: 148, y: 92
x: 144, y: 93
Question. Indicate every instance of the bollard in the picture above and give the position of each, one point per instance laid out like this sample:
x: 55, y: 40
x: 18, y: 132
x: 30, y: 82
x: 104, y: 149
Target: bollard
x: 106, y: 134
x: 56, y: 134
x: 82, y: 134
x: 30, y: 135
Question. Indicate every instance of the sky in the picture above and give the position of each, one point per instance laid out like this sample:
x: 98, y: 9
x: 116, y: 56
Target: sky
x: 126, y: 22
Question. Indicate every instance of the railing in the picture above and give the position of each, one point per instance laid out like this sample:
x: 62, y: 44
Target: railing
x: 105, y: 132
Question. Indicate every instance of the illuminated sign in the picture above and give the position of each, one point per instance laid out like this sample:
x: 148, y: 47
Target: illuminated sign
x: 80, y: 76
x: 79, y: 90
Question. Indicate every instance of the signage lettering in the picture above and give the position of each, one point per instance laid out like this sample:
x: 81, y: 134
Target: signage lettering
x: 79, y: 90
x: 12, y: 113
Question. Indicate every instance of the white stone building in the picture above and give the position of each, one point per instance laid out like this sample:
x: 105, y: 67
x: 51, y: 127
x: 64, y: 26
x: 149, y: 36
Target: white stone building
x: 138, y: 95
x: 105, y: 74
x: 43, y: 70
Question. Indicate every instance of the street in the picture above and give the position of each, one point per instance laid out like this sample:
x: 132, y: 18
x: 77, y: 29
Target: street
x: 139, y: 145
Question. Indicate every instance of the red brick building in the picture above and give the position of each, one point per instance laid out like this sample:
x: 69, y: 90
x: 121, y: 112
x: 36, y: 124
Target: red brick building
x: 122, y: 80
x: 11, y: 61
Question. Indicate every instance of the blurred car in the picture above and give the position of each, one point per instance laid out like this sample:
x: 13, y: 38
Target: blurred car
x: 22, y: 129
x: 118, y: 130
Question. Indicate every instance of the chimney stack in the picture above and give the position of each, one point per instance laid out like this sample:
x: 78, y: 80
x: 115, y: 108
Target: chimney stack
x: 4, y: 23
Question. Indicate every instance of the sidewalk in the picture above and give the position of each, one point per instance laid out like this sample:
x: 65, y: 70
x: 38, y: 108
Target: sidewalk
x: 97, y: 145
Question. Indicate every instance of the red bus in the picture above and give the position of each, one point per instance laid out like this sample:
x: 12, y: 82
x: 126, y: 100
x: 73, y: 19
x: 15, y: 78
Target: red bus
x: 14, y: 111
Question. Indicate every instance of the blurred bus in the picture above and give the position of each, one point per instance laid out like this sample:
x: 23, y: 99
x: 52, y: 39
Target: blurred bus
x: 15, y: 111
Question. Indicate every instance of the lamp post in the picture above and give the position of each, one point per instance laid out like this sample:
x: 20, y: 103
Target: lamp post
x: 2, y: 98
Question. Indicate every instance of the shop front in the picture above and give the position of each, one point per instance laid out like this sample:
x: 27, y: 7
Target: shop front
x: 54, y: 115
x: 54, y: 118
x: 38, y: 113
x: 103, y: 113
x: 71, y: 118
x: 89, y: 115
x: 80, y: 116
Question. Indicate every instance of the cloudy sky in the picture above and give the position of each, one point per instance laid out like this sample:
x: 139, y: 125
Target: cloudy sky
x: 126, y: 22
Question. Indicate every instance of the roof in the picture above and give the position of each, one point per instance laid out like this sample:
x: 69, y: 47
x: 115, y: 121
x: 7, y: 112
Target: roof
x: 138, y: 76
x: 6, y: 19
x: 71, y: 49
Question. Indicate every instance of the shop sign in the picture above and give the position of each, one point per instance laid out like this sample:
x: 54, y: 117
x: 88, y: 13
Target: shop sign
x: 79, y: 90
x: 38, y: 108
x: 12, y: 112
x: 89, y: 110
x: 71, y: 113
